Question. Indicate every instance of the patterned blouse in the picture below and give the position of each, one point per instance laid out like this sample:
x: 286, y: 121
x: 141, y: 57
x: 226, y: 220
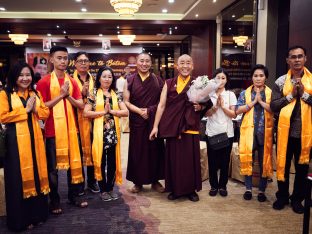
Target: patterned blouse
x: 109, y: 134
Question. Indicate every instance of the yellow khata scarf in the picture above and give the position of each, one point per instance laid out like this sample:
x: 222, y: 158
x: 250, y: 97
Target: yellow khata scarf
x: 97, y: 145
x: 85, y: 124
x: 25, y: 151
x: 247, y: 136
x: 284, y: 125
x: 66, y: 139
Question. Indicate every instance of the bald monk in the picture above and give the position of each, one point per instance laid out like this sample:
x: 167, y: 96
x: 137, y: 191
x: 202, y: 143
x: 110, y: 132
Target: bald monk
x: 178, y: 121
x: 145, y: 158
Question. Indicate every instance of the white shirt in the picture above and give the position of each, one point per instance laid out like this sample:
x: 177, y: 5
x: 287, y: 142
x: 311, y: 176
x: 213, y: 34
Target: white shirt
x: 219, y: 122
x: 120, y: 84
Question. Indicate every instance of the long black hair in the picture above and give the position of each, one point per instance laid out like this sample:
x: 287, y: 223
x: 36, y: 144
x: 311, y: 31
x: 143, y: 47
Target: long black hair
x: 99, y: 74
x: 13, y: 75
x: 222, y: 70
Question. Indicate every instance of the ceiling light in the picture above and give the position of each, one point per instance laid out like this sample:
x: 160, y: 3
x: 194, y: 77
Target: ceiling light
x: 240, y: 40
x: 49, y: 35
x: 157, y: 44
x: 8, y: 31
x: 126, y: 7
x: 57, y: 26
x: 18, y: 39
x: 171, y: 1
x: 118, y: 32
x: 214, y: 1
x: 175, y: 27
x: 84, y: 9
x: 118, y: 26
x: 233, y: 16
x: 100, y: 35
x: 78, y: 0
x: 126, y: 39
x: 196, y: 15
x: 64, y: 32
x: 170, y: 31
x: 2, y: 9
x: 164, y: 11
x: 230, y: 28
x: 54, y: 43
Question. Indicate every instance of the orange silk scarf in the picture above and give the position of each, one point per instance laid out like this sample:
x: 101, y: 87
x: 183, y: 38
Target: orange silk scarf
x: 284, y: 125
x: 247, y: 137
x: 25, y: 151
x: 97, y: 145
x: 84, y: 124
x: 66, y: 139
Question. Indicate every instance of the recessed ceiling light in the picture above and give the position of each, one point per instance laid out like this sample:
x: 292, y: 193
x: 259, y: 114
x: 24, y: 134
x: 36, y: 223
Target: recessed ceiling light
x: 118, y: 32
x: 175, y: 27
x: 118, y: 26
x: 233, y: 16
x: 171, y: 1
x: 100, y: 35
x: 57, y: 26
x: 64, y: 32
x: 143, y: 49
x: 8, y: 31
x: 157, y: 44
x: 164, y: 11
x: 83, y: 9
x: 49, y: 34
x: 196, y: 15
x: 78, y: 0
x: 214, y: 1
x: 54, y: 43
x: 235, y: 46
x: 230, y: 28
x: 2, y: 9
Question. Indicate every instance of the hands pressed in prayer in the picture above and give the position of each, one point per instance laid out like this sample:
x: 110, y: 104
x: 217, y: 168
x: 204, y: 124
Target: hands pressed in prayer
x: 30, y: 105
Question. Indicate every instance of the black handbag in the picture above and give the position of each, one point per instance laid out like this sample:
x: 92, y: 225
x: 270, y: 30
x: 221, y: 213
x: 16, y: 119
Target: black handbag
x: 218, y: 141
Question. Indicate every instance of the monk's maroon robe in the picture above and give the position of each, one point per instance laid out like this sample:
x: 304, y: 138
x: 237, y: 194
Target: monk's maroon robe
x: 146, y: 159
x: 183, y: 173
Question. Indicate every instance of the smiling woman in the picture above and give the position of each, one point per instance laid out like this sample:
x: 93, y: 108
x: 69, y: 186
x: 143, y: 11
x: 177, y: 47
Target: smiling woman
x: 25, y: 167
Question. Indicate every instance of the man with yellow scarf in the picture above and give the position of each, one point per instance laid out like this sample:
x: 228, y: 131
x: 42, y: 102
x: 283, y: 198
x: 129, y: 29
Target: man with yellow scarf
x: 61, y: 94
x: 292, y: 100
x: 85, y: 83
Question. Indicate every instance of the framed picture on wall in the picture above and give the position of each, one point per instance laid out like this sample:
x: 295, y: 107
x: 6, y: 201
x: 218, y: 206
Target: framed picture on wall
x: 247, y: 46
x: 106, y: 45
x: 46, y: 44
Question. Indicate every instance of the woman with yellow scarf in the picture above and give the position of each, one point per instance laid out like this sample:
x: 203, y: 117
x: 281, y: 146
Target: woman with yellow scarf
x: 256, y: 132
x: 25, y: 166
x: 105, y: 108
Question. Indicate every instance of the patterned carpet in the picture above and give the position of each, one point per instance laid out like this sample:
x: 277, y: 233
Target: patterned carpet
x: 151, y: 212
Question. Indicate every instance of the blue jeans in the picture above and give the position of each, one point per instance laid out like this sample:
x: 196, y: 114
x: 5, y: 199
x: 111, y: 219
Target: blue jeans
x: 248, y: 179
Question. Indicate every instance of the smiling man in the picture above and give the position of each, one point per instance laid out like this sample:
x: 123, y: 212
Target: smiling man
x: 292, y: 100
x: 178, y: 121
x: 141, y: 96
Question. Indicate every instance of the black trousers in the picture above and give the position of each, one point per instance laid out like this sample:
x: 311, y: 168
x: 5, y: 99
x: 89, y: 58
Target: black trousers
x: 300, y: 183
x: 219, y: 159
x: 109, y: 166
x: 73, y: 189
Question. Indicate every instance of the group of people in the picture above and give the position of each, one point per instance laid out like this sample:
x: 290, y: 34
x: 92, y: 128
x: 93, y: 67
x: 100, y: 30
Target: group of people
x: 81, y: 117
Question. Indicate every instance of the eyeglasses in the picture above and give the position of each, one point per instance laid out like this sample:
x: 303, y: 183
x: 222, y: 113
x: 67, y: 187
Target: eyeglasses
x: 294, y: 57
x: 81, y: 61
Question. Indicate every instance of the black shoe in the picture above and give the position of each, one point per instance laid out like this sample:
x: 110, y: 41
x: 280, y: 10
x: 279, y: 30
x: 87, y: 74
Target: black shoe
x: 213, y: 192
x: 297, y: 207
x: 261, y: 197
x: 94, y: 188
x: 193, y: 197
x: 172, y: 197
x: 247, y: 195
x: 279, y: 204
x: 223, y: 192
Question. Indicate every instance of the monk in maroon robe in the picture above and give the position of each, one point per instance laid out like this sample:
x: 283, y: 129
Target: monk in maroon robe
x: 146, y: 163
x: 178, y: 121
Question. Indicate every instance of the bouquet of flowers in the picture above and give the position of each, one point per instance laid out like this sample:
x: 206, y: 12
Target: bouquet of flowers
x: 200, y: 89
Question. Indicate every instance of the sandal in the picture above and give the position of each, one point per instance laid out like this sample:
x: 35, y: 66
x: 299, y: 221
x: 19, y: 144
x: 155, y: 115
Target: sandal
x: 55, y: 209
x: 78, y: 202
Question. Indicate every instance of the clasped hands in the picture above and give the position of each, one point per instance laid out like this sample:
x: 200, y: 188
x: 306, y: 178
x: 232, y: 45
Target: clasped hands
x: 31, y: 104
x: 298, y: 88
